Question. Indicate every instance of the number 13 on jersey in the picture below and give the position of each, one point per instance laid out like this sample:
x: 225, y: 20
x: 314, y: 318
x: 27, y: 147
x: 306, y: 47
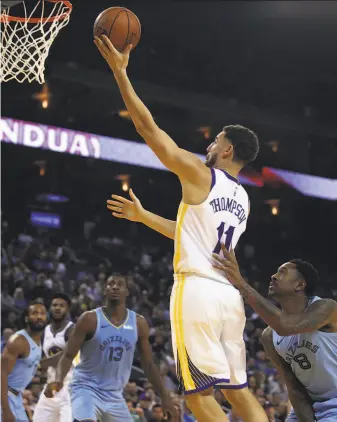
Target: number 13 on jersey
x: 224, y: 237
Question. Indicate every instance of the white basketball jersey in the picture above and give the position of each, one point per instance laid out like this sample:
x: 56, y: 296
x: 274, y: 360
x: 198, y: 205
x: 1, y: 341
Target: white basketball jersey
x: 53, y: 344
x: 200, y: 229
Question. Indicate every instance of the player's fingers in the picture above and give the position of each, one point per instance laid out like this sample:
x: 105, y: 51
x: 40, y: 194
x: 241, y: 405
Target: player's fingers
x: 115, y: 214
x: 115, y: 203
x: 117, y: 209
x: 225, y: 251
x: 120, y: 199
x: 101, y: 46
x: 219, y: 259
x: 109, y: 44
x: 127, y: 49
x: 133, y: 196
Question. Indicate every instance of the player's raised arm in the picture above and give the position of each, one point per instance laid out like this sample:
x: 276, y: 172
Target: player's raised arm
x: 298, y: 395
x: 85, y: 327
x: 134, y: 211
x: 150, y: 369
x: 14, y: 349
x: 181, y: 162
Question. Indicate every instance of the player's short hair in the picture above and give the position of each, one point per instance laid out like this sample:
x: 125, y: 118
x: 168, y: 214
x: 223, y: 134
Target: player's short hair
x: 63, y: 296
x: 309, y: 274
x: 117, y: 275
x: 245, y: 143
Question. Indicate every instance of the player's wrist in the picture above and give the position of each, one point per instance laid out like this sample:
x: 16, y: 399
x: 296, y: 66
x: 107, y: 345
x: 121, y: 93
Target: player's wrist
x: 119, y: 73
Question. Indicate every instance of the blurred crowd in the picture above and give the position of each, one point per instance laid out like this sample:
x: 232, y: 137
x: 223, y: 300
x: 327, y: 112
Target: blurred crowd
x: 36, y: 267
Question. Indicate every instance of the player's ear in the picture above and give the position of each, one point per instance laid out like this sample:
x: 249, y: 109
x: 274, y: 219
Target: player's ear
x: 228, y: 151
x: 302, y: 284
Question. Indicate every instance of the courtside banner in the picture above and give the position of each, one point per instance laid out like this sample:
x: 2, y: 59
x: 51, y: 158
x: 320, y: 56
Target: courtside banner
x: 35, y: 135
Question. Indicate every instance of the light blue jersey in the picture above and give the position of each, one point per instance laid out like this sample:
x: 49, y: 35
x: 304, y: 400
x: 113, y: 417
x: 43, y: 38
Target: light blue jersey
x: 313, y: 359
x: 104, y: 369
x: 21, y: 375
x: 24, y: 369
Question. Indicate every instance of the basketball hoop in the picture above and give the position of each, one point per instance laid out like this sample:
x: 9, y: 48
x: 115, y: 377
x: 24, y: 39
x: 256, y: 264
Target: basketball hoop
x: 26, y: 40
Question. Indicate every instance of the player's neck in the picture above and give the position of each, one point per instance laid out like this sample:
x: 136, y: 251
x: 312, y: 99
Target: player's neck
x: 34, y: 335
x: 58, y: 325
x: 116, y: 310
x: 294, y: 304
x: 230, y: 168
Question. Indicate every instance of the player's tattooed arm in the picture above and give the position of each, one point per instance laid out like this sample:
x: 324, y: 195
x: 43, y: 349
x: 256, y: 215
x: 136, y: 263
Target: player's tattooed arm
x: 150, y: 369
x: 316, y: 316
x: 298, y: 395
x: 84, y: 329
x: 16, y: 347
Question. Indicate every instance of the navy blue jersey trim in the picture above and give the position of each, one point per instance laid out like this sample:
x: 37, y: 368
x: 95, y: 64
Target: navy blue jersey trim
x: 213, y: 178
x: 229, y: 176
x: 231, y: 387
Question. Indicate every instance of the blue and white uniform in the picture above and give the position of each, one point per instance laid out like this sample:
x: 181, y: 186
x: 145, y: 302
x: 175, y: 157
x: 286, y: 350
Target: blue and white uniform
x: 21, y: 375
x: 313, y: 359
x: 104, y: 368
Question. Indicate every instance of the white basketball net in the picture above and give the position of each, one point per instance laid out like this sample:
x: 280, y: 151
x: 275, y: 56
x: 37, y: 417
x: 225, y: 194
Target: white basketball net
x: 25, y: 45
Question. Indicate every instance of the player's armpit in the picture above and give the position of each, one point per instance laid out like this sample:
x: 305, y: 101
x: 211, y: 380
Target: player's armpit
x: 84, y: 328
x: 186, y: 165
x: 317, y: 315
x: 298, y: 395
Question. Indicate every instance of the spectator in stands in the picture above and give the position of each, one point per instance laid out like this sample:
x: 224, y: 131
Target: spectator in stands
x: 157, y: 414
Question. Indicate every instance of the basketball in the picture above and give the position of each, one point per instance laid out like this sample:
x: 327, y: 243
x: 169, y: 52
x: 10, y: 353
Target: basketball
x: 120, y: 25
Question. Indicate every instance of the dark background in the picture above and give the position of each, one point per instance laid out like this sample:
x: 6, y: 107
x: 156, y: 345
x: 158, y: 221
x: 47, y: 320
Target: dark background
x: 268, y: 65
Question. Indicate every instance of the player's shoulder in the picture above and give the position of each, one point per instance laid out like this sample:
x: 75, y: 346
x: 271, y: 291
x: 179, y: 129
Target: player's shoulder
x: 87, y: 321
x: 142, y: 323
x: 17, y: 342
x: 267, y: 334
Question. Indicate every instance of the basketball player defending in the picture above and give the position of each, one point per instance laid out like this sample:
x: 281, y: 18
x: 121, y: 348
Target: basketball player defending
x: 301, y: 339
x: 19, y: 362
x: 208, y: 344
x: 106, y: 338
x: 49, y: 407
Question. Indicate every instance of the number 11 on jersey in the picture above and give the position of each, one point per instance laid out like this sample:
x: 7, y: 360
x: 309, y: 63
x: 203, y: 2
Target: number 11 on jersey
x: 228, y: 237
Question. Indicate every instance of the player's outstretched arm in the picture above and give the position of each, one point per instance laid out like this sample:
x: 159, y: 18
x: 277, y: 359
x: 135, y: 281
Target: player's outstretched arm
x: 85, y: 326
x: 17, y: 346
x: 298, y: 395
x: 317, y: 315
x: 181, y: 162
x: 150, y: 369
x: 134, y: 211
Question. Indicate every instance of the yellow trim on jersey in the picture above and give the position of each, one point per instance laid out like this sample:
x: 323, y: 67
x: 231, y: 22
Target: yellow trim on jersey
x: 178, y: 304
x: 180, y: 335
x: 180, y: 219
x: 77, y: 359
x: 119, y: 326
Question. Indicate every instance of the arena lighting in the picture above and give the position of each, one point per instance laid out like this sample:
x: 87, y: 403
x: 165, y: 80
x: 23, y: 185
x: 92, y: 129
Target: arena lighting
x: 125, y: 181
x: 206, y: 131
x: 274, y: 206
x: 43, y: 96
x: 124, y: 114
x: 83, y: 144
